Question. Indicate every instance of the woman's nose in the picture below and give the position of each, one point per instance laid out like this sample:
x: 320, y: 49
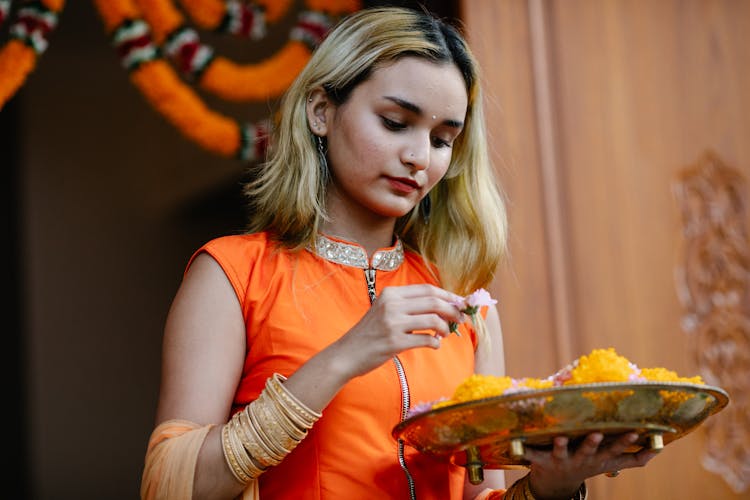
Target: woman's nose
x: 417, y: 154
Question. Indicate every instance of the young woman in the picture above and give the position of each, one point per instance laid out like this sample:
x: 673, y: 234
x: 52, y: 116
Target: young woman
x: 291, y: 352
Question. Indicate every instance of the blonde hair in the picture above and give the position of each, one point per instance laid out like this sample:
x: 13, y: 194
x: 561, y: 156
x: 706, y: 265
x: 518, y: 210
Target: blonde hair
x: 466, y: 234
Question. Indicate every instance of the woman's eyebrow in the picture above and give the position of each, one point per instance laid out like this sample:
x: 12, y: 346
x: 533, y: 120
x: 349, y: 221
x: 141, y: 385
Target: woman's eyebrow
x: 410, y: 106
x: 405, y: 104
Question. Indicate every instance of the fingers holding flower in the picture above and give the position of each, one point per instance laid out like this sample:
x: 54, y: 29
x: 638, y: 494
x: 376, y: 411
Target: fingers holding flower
x: 471, y: 304
x: 401, y: 318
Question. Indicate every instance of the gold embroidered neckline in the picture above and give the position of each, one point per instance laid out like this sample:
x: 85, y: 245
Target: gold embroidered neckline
x: 349, y: 254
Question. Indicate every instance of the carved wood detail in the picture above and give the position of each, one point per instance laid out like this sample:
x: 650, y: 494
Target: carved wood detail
x: 713, y: 284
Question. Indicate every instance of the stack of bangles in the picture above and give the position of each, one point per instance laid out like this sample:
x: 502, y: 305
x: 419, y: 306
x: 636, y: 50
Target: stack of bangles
x: 265, y: 431
x: 521, y: 490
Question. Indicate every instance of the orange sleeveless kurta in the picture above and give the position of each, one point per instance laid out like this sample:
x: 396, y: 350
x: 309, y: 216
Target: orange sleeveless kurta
x: 294, y: 305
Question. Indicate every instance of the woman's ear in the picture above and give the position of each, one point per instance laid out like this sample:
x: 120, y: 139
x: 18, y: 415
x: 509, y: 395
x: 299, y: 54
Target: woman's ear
x: 318, y: 107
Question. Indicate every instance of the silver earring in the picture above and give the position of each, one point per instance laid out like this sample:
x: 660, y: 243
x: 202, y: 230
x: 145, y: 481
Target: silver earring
x: 322, y: 161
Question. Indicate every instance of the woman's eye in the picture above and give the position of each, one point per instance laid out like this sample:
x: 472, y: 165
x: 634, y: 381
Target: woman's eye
x: 392, y: 124
x: 437, y: 142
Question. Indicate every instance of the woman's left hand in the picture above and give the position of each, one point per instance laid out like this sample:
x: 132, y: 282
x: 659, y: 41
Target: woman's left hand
x: 559, y: 473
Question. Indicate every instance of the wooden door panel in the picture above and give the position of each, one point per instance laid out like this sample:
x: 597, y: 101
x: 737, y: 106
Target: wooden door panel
x: 499, y: 36
x: 596, y: 108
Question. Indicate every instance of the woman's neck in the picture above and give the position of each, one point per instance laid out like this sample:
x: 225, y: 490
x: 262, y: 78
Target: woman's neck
x: 350, y: 220
x: 371, y: 237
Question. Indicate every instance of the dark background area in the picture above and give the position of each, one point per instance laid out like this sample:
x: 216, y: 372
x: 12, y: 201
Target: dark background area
x: 103, y: 203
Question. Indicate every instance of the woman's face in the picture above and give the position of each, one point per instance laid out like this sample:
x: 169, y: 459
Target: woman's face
x: 391, y: 141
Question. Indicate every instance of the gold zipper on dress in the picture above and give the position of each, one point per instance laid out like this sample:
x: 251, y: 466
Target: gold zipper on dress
x: 405, y: 396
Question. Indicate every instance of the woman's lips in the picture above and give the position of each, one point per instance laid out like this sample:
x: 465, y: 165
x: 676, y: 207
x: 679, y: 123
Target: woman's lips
x: 403, y: 185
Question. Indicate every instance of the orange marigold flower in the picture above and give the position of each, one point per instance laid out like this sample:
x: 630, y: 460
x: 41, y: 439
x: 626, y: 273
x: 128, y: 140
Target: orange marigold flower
x: 660, y: 374
x: 534, y: 383
x: 602, y: 365
x: 481, y: 386
x: 17, y: 60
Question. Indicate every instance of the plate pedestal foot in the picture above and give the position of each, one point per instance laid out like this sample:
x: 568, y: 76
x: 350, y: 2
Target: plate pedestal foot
x: 657, y: 442
x: 474, y: 465
x: 516, y: 448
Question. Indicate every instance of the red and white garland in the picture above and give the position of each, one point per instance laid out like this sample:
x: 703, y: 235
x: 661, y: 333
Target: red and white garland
x: 236, y: 17
x: 29, y: 35
x: 142, y: 30
x: 244, y: 20
x: 4, y: 10
x: 221, y: 76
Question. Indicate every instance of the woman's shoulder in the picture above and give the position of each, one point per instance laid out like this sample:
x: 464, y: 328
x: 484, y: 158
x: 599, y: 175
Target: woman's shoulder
x: 239, y: 255
x: 236, y: 250
x: 240, y: 242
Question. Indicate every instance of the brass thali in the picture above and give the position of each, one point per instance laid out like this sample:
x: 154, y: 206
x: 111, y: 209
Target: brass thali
x: 492, y: 433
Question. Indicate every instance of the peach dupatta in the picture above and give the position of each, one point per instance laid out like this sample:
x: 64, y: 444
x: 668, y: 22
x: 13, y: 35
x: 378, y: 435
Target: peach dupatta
x: 170, y: 462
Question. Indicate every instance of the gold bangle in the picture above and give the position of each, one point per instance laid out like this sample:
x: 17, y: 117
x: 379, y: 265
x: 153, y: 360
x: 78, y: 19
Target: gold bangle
x: 267, y: 456
x: 527, y: 494
x: 291, y: 429
x: 231, y: 459
x: 248, y: 444
x: 299, y: 422
x: 276, y: 384
x: 310, y: 415
x: 251, y: 444
x: 243, y: 459
x: 272, y: 428
x: 265, y: 431
x: 265, y: 441
x: 521, y: 490
x: 294, y: 432
x: 516, y: 490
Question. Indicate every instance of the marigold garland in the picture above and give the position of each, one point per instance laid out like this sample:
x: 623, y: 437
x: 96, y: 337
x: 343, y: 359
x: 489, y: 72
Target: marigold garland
x: 29, y: 33
x: 176, y: 101
x: 161, y: 87
x: 221, y: 76
x: 271, y: 78
x: 223, y: 15
x: 4, y: 10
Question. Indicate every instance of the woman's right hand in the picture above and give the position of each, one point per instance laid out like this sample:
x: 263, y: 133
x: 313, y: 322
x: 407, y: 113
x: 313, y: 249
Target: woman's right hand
x: 558, y: 473
x: 402, y: 318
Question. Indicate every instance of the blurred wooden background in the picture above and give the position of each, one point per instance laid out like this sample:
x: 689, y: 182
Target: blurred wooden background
x: 597, y: 109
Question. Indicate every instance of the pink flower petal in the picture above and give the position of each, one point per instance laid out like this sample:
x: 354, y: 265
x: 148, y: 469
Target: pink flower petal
x: 423, y: 407
x: 480, y: 298
x: 459, y: 302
